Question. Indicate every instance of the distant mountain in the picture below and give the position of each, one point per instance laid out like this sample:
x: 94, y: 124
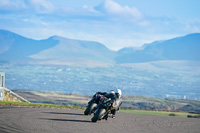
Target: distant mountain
x: 125, y: 51
x: 64, y: 51
x: 76, y: 51
x: 181, y: 48
x: 17, y: 48
x: 54, y: 50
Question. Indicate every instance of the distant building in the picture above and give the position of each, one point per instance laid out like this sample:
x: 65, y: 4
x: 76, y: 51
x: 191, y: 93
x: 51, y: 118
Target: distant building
x: 174, y: 96
x: 2, y: 85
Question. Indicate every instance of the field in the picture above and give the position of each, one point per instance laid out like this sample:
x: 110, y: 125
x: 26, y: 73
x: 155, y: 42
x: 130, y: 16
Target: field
x: 132, y: 102
x: 145, y: 112
x: 161, y: 113
x: 164, y: 79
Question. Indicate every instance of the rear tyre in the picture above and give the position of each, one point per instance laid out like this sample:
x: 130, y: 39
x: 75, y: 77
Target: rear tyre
x: 98, y: 115
x: 89, y: 109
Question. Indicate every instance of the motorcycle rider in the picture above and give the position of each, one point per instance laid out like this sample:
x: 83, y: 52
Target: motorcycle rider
x: 115, y: 98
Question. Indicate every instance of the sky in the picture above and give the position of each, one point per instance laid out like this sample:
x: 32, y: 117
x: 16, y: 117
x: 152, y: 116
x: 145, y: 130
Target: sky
x: 114, y: 23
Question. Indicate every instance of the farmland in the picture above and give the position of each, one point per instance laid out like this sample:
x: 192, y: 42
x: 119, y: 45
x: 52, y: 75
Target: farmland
x: 146, y: 79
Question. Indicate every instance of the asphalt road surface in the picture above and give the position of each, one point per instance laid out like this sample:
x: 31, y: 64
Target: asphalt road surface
x: 55, y: 120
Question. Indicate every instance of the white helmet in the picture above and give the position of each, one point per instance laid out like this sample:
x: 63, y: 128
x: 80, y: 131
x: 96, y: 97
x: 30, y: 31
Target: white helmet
x: 119, y: 92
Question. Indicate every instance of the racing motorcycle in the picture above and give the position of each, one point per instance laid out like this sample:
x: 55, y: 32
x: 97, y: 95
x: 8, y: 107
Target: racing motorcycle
x: 92, y: 104
x: 103, y: 109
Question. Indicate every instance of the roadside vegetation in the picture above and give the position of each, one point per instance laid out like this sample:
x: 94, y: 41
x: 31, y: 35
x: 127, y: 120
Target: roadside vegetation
x: 131, y: 104
x: 9, y: 103
x: 162, y: 113
x: 145, y: 112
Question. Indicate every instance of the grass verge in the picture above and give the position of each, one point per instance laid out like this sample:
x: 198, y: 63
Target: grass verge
x: 144, y: 112
x: 161, y: 113
x: 37, y: 105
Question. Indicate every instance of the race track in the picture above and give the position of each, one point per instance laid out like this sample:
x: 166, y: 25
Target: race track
x: 55, y: 120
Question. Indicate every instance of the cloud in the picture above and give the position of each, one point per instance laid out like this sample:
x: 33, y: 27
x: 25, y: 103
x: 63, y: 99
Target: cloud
x: 31, y: 6
x: 193, y: 25
x: 12, y: 5
x: 110, y: 23
x: 108, y: 11
x: 41, y: 6
x: 114, y: 8
x: 113, y: 11
x: 90, y: 9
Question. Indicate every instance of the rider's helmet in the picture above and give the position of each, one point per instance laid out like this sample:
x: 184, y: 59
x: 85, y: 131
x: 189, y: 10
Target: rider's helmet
x: 112, y: 91
x: 119, y: 92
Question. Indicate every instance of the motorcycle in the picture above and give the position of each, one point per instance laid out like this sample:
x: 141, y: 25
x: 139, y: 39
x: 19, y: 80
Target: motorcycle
x: 92, y: 104
x: 103, y: 109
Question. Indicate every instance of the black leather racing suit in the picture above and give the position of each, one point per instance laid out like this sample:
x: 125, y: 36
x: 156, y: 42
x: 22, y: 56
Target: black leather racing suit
x: 116, y: 101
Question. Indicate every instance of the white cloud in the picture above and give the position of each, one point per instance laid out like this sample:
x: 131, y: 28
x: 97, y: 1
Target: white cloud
x: 193, y: 26
x: 113, y: 11
x: 38, y: 6
x: 91, y: 9
x: 110, y: 23
x: 12, y: 5
x: 115, y: 8
x: 42, y: 6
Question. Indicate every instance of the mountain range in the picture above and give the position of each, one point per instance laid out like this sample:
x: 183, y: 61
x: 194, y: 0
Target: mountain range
x: 65, y: 51
x: 180, y: 48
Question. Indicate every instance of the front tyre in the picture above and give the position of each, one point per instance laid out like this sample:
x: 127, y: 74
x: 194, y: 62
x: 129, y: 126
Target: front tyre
x: 89, y: 108
x: 98, y: 115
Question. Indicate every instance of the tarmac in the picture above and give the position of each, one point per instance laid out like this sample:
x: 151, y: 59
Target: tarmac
x: 59, y: 120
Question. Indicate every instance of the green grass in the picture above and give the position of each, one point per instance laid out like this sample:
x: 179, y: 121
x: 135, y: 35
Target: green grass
x: 144, y: 112
x: 160, y: 113
x: 37, y: 105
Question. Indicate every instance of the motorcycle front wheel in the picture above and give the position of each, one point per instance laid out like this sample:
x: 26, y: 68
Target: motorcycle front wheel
x: 90, y: 108
x: 98, y: 115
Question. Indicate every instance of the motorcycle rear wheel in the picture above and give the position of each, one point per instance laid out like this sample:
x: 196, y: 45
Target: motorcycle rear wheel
x: 98, y: 115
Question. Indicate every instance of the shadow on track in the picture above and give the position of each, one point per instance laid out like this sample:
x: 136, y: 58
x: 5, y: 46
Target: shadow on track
x: 60, y: 113
x: 63, y: 113
x: 65, y: 120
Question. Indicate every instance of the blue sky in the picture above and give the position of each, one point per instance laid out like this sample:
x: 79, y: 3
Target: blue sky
x: 115, y: 23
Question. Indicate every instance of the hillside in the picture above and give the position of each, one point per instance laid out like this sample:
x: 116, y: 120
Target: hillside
x: 84, y: 67
x: 158, y: 79
x: 17, y: 48
x: 76, y: 52
x: 63, y: 51
x: 181, y: 48
x: 54, y: 50
x: 129, y: 101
